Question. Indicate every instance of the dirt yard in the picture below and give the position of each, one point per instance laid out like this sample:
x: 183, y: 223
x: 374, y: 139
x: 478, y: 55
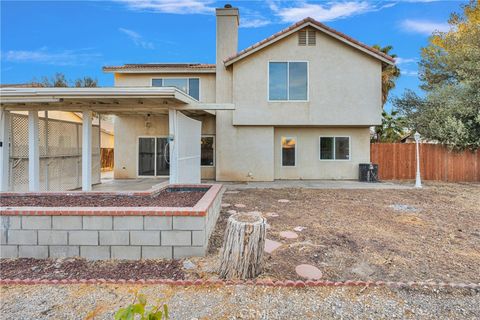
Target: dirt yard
x: 407, y: 234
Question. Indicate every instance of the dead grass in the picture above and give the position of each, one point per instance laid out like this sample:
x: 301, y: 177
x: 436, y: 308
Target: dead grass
x: 356, y: 234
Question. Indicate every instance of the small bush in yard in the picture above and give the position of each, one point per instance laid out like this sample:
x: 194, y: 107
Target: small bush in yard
x: 136, y: 310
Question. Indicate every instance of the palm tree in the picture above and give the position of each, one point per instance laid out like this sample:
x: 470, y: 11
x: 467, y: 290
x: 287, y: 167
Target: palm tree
x: 389, y: 73
x: 391, y: 129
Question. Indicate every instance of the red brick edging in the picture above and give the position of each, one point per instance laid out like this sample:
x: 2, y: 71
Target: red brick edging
x: 269, y: 283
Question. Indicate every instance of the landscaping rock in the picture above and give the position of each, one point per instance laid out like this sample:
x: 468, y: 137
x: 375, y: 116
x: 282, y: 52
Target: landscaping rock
x: 308, y: 272
x: 288, y: 234
x: 188, y: 265
x: 271, y: 245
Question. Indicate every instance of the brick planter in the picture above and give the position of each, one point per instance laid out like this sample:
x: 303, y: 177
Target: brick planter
x: 110, y: 232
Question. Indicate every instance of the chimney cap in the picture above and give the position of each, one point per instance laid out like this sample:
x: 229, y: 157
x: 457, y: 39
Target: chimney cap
x: 227, y: 6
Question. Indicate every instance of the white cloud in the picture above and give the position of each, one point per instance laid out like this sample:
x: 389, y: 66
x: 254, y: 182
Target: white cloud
x: 137, y: 38
x: 171, y: 6
x: 44, y: 56
x: 409, y: 73
x: 424, y: 26
x: 322, y: 12
x: 400, y: 60
x: 253, y: 23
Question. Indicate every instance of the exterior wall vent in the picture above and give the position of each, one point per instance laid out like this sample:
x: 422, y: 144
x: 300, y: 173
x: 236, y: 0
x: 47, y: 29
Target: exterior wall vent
x: 307, y: 37
x: 302, y: 37
x: 311, y: 37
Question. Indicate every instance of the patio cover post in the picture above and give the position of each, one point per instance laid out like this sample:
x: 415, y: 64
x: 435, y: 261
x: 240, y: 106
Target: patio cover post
x: 87, y: 151
x: 172, y: 128
x: 4, y: 149
x: 33, y: 152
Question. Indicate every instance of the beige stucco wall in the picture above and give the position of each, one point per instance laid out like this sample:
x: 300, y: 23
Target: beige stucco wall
x: 207, y: 82
x: 243, y: 153
x: 106, y: 140
x: 308, y: 163
x: 128, y: 128
x: 344, y: 86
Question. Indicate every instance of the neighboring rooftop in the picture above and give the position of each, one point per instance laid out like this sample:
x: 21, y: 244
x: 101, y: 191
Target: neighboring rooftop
x: 22, y: 85
x: 162, y: 67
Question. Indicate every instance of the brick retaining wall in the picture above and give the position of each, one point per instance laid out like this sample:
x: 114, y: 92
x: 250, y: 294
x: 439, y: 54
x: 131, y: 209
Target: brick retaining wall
x: 110, y: 233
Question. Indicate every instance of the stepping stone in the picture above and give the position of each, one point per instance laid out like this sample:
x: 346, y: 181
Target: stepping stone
x: 240, y: 205
x: 283, y: 200
x: 231, y: 211
x: 308, y: 272
x: 299, y: 229
x: 271, y: 214
x: 271, y: 245
x: 288, y: 235
x: 226, y: 205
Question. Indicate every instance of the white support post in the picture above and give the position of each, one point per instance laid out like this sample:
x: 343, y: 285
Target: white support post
x: 4, y: 149
x: 33, y: 152
x: 87, y: 151
x: 172, y: 129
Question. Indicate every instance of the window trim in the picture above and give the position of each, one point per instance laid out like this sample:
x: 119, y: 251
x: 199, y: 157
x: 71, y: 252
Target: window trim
x: 334, y: 157
x: 214, y: 150
x: 188, y: 84
x: 155, y: 152
x: 281, y: 151
x: 288, y: 81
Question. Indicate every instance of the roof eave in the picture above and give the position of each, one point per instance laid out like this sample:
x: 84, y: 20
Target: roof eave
x: 136, y: 71
x: 308, y: 22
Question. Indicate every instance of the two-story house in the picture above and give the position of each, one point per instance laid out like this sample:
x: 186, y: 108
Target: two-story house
x: 304, y: 100
x: 297, y: 105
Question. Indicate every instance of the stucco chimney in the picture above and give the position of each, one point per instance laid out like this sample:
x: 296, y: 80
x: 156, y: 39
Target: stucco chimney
x: 227, y: 45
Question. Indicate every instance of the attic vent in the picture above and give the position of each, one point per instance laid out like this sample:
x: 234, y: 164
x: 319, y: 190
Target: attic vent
x: 307, y: 37
x: 311, y: 37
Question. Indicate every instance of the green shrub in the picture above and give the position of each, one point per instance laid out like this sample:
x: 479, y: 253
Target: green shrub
x: 136, y: 310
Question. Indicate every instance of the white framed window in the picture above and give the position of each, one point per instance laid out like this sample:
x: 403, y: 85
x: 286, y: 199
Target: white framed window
x: 207, y: 154
x: 289, y: 151
x: 335, y: 148
x: 190, y: 86
x: 288, y: 81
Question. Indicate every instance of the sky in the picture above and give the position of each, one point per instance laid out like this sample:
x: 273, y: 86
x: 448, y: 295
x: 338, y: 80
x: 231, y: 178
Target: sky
x: 77, y: 38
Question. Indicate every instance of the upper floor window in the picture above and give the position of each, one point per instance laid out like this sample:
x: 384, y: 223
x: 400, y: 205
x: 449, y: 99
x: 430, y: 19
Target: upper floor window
x: 190, y: 86
x: 288, y: 81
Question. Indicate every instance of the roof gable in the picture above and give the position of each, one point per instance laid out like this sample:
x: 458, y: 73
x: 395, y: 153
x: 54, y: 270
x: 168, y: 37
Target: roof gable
x: 318, y: 26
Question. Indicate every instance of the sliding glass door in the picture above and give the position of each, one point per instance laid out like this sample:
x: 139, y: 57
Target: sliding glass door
x: 163, y: 157
x: 153, y: 156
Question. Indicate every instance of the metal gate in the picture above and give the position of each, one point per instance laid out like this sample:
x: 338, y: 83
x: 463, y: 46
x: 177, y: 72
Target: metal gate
x: 185, y: 156
x: 60, y: 145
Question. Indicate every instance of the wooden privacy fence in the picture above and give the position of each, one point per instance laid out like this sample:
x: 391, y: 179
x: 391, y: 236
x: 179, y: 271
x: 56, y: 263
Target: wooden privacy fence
x: 106, y: 156
x: 396, y: 161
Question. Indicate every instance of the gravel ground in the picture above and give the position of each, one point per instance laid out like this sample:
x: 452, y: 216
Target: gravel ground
x: 241, y: 302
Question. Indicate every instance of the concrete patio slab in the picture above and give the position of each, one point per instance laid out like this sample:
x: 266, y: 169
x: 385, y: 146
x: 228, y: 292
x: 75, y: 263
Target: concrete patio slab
x: 316, y: 184
x: 142, y: 184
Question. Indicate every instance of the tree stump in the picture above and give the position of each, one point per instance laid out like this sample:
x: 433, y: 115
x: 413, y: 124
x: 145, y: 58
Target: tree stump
x: 243, y: 246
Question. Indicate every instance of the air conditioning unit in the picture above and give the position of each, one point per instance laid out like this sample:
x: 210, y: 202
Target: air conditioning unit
x: 368, y: 172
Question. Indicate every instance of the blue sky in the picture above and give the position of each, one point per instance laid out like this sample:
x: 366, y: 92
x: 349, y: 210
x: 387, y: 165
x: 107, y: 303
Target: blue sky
x: 77, y: 38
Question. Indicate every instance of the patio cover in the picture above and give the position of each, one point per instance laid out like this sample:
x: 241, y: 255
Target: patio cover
x: 111, y: 100
x: 117, y: 100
